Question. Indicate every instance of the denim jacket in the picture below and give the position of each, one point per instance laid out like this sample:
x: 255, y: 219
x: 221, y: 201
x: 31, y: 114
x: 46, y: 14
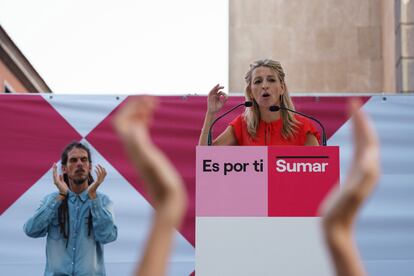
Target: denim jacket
x: 83, y: 252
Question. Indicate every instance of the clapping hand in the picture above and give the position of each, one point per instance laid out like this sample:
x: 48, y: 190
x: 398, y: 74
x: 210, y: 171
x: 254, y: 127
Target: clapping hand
x: 134, y: 116
x: 162, y: 182
x: 341, y: 207
x: 100, y: 176
x: 363, y: 174
x: 59, y: 182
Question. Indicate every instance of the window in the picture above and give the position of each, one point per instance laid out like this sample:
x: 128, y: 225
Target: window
x: 7, y: 88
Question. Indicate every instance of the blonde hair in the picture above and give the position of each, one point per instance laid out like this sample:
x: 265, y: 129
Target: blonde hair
x: 252, y: 115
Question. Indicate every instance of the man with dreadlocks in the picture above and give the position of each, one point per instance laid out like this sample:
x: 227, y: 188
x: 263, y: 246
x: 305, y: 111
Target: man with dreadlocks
x: 77, y: 219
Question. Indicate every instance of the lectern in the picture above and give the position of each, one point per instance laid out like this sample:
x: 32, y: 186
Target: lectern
x: 257, y: 209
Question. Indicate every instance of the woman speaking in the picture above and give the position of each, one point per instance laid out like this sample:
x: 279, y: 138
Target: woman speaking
x: 260, y: 124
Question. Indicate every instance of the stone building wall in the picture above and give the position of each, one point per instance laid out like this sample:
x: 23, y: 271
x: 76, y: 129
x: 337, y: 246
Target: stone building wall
x: 324, y: 45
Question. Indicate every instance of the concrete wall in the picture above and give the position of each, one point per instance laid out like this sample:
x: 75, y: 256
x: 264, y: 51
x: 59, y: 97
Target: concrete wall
x: 324, y: 45
x: 404, y: 29
x: 388, y: 45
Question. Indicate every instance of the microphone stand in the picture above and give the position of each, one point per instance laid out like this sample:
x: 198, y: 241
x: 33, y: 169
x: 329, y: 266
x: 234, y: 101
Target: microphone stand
x: 210, y: 130
x: 275, y: 108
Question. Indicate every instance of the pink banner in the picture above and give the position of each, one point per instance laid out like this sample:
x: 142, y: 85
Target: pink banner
x: 228, y: 183
x: 264, y: 181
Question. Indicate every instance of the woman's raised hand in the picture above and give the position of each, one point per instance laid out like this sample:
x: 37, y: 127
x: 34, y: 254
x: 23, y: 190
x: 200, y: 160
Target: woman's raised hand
x: 216, y: 99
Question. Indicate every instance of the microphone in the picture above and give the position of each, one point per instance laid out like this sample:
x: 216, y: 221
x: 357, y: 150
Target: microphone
x: 209, y: 141
x: 275, y: 108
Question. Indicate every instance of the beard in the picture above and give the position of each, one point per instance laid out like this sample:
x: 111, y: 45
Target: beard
x: 80, y: 177
x: 80, y: 180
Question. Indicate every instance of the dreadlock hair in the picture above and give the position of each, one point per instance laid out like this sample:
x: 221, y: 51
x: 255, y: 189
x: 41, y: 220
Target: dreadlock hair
x: 63, y: 210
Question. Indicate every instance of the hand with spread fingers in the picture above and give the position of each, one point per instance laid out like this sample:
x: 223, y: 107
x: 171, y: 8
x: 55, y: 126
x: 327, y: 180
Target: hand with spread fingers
x: 100, y: 176
x: 340, y: 207
x: 59, y: 182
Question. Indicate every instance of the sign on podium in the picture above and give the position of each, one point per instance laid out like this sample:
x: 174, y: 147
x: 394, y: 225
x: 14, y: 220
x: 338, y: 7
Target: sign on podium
x: 257, y: 209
